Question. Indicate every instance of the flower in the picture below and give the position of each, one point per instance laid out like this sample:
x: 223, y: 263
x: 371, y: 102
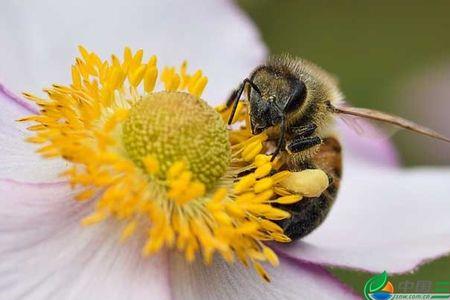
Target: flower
x: 163, y: 162
x: 46, y: 254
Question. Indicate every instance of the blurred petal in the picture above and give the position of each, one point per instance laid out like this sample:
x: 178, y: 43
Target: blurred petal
x: 384, y: 219
x: 18, y: 159
x: 46, y: 254
x: 291, y: 280
x: 371, y: 146
x: 16, y: 101
x: 39, y: 39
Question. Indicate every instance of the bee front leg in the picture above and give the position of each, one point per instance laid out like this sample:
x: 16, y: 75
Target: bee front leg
x: 232, y: 98
x: 303, y: 143
x: 304, y: 131
x: 303, y: 138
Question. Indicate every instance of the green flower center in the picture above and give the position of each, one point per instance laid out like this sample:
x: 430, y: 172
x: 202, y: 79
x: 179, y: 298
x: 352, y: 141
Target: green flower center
x: 174, y: 126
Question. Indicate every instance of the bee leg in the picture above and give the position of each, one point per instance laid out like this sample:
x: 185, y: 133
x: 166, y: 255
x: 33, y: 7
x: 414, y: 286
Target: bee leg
x: 235, y: 102
x: 231, y: 98
x: 302, y: 135
x: 309, y: 213
x: 303, y: 143
x: 304, y: 131
x: 236, y: 96
x: 281, y: 140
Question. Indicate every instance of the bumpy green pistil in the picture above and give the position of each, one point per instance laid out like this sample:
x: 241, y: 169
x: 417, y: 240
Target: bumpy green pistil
x: 176, y: 126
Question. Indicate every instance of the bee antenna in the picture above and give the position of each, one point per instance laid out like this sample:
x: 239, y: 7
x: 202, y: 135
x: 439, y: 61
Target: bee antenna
x: 236, y: 96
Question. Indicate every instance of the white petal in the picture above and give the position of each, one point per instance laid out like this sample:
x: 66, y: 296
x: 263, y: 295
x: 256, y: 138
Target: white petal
x: 39, y: 39
x: 290, y: 280
x: 18, y: 159
x: 46, y: 254
x: 391, y: 220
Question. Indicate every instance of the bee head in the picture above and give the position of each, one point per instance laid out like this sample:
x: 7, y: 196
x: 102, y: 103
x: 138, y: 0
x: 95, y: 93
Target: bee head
x: 273, y: 95
x: 264, y: 113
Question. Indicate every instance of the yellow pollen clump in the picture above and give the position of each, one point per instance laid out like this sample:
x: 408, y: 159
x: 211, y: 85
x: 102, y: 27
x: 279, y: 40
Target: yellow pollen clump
x: 163, y: 163
x: 309, y: 183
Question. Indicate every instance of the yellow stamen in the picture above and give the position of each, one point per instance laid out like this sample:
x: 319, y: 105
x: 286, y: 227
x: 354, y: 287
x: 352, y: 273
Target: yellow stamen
x: 96, y: 217
x: 151, y: 164
x: 199, y: 86
x: 150, y: 78
x: 263, y: 184
x: 176, y: 169
x: 128, y: 231
x: 85, y: 195
x: 260, y: 270
x: 263, y: 170
x: 251, y: 150
x: 245, y: 183
x: 219, y: 195
x: 290, y: 199
x: 271, y: 256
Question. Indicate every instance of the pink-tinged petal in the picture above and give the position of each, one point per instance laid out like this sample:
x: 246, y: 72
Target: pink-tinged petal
x: 18, y: 159
x: 368, y: 146
x: 15, y: 100
x: 39, y: 40
x: 46, y: 254
x: 290, y: 280
x: 384, y: 219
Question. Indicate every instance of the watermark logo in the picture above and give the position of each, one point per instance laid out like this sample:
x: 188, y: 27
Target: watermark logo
x: 380, y: 288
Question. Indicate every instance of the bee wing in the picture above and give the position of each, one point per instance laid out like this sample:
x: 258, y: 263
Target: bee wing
x: 366, y: 128
x: 386, y: 118
x: 358, y: 127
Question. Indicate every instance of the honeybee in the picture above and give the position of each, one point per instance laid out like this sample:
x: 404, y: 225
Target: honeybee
x: 295, y: 102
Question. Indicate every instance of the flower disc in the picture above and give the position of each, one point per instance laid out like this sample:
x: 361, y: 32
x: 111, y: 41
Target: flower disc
x: 174, y: 126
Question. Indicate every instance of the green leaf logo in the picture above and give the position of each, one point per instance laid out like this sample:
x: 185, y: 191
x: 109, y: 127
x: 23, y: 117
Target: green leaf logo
x: 375, y: 284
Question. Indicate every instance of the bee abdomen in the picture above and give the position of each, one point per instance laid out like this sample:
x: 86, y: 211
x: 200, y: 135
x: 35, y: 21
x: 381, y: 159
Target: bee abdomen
x: 309, y: 213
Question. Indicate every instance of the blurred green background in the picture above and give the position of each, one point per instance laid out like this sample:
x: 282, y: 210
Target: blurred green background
x: 389, y: 55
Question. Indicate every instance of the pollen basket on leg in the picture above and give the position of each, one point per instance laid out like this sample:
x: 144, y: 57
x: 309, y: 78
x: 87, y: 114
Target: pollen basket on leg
x: 163, y: 163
